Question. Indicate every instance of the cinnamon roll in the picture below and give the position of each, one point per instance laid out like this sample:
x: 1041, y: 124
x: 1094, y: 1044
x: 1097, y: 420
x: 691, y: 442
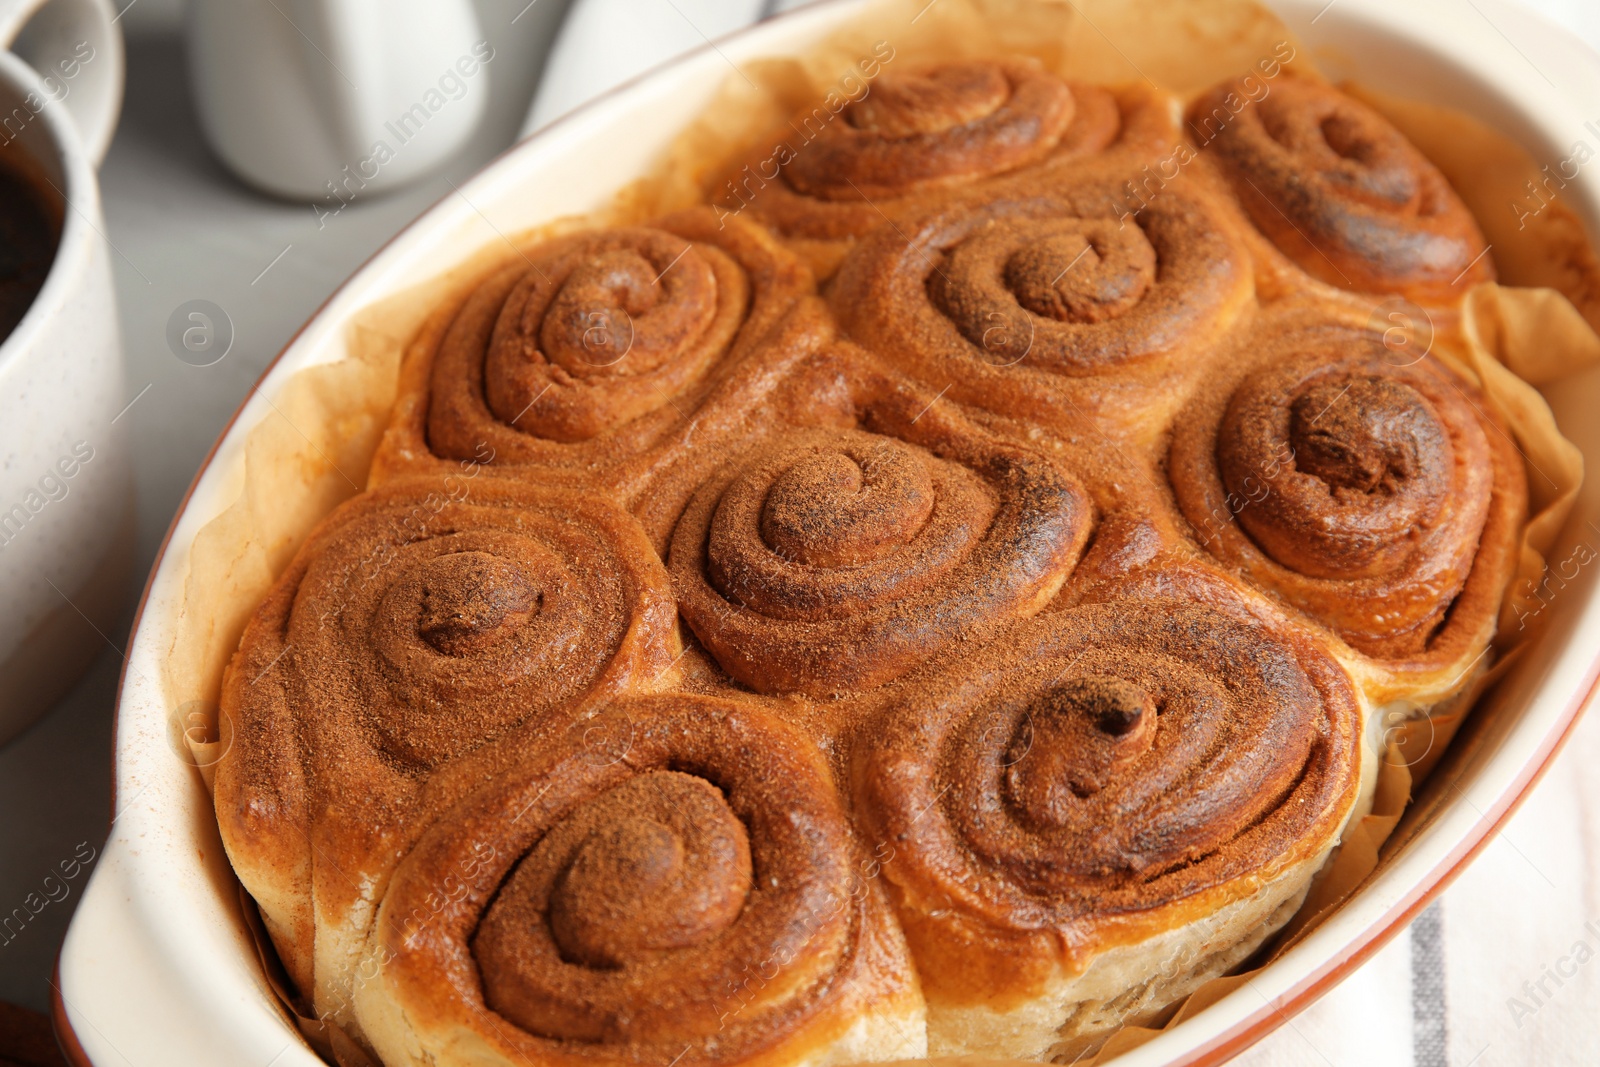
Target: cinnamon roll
x: 418, y: 622
x: 1051, y: 305
x: 1340, y: 191
x: 835, y: 559
x: 590, y: 350
x: 691, y: 891
x: 828, y: 178
x: 1100, y: 811
x: 1381, y: 495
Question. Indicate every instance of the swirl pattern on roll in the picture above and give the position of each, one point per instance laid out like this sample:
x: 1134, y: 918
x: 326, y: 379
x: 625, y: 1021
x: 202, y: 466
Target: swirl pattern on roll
x: 1341, y: 192
x: 913, y: 136
x: 951, y: 123
x: 831, y: 560
x: 1373, y: 492
x: 687, y: 888
x: 435, y: 619
x: 1010, y: 299
x: 595, y: 341
x: 1096, y: 769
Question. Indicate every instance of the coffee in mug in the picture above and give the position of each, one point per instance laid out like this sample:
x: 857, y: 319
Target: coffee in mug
x: 30, y: 228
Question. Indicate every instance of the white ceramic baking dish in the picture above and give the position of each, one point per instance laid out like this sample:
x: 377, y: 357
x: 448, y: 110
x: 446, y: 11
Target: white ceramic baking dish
x: 157, y: 966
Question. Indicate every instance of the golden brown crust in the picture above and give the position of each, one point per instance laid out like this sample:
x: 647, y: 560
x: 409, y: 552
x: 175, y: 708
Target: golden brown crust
x: 416, y: 624
x: 830, y: 560
x: 429, y: 625
x: 590, y: 354
x: 1098, y: 775
x: 1340, y: 191
x: 1055, y: 300
x: 690, y: 889
x: 822, y: 181
x: 950, y: 124
x: 1370, y: 489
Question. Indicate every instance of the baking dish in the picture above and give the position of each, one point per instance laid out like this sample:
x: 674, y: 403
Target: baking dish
x: 158, y: 965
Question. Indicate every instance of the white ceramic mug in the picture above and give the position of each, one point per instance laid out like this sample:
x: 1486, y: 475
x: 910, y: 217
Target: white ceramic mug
x: 66, y: 530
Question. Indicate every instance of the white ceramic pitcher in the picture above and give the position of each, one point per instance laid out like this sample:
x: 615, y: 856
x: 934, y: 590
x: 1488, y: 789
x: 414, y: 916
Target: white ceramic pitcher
x: 332, y: 100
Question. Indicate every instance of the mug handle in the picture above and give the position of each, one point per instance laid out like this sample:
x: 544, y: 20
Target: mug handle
x: 75, y: 46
